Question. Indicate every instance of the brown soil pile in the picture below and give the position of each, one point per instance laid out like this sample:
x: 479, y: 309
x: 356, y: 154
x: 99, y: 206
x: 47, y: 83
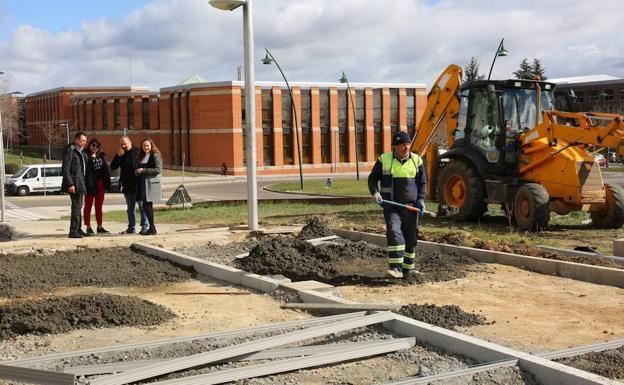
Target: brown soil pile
x: 609, y: 363
x: 62, y: 314
x: 40, y: 272
x: 346, y: 263
x: 315, y: 228
x: 447, y: 316
x: 469, y: 240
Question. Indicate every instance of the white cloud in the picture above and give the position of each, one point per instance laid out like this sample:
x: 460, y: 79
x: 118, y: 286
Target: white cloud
x: 314, y: 40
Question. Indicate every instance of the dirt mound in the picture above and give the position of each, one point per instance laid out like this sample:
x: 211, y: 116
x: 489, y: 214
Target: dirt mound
x: 40, y: 272
x: 345, y: 263
x: 609, y: 363
x: 466, y: 239
x: 315, y: 228
x: 447, y: 316
x: 62, y: 314
x: 6, y: 233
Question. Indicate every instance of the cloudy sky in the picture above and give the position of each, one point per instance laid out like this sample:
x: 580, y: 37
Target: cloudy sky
x: 157, y: 43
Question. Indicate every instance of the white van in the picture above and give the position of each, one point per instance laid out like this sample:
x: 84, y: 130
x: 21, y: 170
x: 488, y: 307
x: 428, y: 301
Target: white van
x: 35, y: 178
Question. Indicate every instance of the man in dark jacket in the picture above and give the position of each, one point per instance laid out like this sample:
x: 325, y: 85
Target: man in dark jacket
x: 401, y: 174
x: 74, y: 168
x: 125, y: 160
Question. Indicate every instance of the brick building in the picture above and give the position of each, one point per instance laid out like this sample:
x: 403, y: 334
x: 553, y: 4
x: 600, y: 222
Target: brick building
x: 600, y: 93
x: 204, y: 123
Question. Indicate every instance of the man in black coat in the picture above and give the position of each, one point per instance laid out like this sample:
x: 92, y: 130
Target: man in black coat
x: 74, y: 169
x: 126, y: 161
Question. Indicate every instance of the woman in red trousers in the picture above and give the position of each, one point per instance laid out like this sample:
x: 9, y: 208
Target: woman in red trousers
x: 98, y: 181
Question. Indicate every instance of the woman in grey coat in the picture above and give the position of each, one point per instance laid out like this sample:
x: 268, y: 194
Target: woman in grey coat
x: 149, y: 171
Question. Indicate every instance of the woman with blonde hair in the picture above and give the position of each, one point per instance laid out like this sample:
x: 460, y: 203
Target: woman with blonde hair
x: 149, y: 190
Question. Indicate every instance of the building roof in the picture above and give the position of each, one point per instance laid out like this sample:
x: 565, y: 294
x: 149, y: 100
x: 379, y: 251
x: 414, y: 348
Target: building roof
x: 585, y: 79
x: 193, y: 79
x: 304, y: 85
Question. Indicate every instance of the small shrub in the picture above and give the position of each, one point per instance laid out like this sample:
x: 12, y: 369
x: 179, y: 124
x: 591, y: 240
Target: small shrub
x: 11, y: 168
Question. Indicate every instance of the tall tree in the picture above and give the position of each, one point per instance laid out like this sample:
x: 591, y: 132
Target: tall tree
x: 471, y: 71
x: 525, y: 71
x: 538, y: 70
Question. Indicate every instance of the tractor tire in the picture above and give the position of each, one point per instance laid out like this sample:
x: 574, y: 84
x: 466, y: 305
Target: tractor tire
x: 461, y: 193
x: 532, y: 207
x: 612, y: 217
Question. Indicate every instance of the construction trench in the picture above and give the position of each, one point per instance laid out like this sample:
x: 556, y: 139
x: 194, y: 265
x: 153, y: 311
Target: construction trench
x: 194, y: 314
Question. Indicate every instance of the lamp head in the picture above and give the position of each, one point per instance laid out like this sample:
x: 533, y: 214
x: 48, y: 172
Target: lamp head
x: 226, y: 5
x: 267, y: 60
x: 502, y: 51
x: 343, y: 79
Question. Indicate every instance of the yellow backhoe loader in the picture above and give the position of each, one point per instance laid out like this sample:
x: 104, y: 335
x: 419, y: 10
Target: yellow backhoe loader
x: 507, y: 145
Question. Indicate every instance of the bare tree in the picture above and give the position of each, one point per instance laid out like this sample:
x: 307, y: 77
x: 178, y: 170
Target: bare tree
x: 54, y: 134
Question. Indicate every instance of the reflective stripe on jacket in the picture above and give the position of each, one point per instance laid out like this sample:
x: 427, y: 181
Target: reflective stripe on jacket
x: 398, y: 180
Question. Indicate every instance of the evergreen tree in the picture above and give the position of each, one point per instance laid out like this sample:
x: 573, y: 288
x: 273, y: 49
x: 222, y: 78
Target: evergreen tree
x: 537, y: 70
x: 525, y: 71
x: 471, y: 71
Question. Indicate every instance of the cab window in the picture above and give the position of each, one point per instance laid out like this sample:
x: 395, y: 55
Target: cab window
x: 32, y: 173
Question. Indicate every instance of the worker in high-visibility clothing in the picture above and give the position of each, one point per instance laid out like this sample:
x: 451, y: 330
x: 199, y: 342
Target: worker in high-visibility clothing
x: 402, y: 177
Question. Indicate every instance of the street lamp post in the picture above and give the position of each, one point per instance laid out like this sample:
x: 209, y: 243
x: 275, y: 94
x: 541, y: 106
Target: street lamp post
x: 268, y: 59
x: 500, y: 51
x: 66, y: 125
x: 344, y: 79
x: 250, y: 103
x: 2, y: 203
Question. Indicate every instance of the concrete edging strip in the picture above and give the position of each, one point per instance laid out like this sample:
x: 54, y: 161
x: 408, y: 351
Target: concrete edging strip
x: 37, y: 376
x: 229, y: 375
x: 194, y: 360
x: 587, y: 273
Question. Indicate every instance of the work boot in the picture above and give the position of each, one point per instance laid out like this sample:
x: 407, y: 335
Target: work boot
x: 394, y: 272
x: 410, y: 273
x: 89, y: 230
x: 102, y: 230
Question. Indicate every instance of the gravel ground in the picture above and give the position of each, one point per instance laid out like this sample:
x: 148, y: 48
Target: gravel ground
x: 43, y: 272
x: 609, y: 363
x: 63, y: 314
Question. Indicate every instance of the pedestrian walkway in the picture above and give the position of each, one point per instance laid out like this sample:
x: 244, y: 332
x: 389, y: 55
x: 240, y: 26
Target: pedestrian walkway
x: 16, y: 213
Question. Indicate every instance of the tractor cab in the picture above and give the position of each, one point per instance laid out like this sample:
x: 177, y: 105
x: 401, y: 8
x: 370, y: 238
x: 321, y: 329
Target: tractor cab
x: 492, y: 114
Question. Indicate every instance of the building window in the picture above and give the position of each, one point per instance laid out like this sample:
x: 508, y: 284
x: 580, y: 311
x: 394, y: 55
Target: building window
x: 594, y: 96
x: 394, y: 110
x: 117, y: 114
x: 104, y: 115
x: 360, y: 124
x: 411, y: 111
x: 377, y: 122
x: 130, y: 113
x: 267, y: 127
x: 622, y: 94
x: 84, y: 115
x: 244, y: 125
x: 580, y: 96
x: 325, y: 130
x: 607, y: 95
x: 343, y: 140
x: 306, y: 127
x: 145, y: 113
x: 287, y: 131
x: 93, y: 114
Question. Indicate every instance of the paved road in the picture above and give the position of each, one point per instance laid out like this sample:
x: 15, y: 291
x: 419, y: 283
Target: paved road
x: 200, y: 189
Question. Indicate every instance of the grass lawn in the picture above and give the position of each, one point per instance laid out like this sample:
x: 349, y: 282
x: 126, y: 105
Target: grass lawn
x: 28, y: 157
x: 564, y: 231
x: 350, y: 187
x: 613, y: 168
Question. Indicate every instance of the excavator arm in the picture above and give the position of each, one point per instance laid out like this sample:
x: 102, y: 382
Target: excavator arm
x: 442, y: 105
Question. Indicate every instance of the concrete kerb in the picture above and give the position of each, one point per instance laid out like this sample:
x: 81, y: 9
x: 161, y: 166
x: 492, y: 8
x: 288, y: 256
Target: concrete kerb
x: 577, y: 253
x: 587, y: 273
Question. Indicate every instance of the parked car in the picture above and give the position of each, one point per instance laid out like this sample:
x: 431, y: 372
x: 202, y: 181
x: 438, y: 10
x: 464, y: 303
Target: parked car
x: 115, y: 184
x: 35, y: 178
x: 602, y: 161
